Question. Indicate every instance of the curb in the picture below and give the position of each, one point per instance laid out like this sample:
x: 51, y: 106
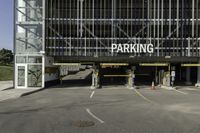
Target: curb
x: 197, y: 85
x: 31, y: 92
x: 9, y: 88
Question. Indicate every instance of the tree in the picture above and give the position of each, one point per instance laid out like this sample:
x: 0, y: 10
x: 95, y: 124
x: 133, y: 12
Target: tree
x: 6, y: 56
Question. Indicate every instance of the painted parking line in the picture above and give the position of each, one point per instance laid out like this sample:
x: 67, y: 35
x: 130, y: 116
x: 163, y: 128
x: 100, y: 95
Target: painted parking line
x: 143, y: 97
x: 92, y: 94
x: 184, y: 93
x: 190, y: 89
x: 181, y: 92
x: 95, y: 117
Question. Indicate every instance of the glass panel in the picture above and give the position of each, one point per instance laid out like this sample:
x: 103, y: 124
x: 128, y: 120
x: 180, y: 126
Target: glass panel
x: 29, y: 40
x: 35, y: 59
x: 21, y: 76
x: 29, y: 26
x: 35, y: 76
x: 29, y: 10
x: 21, y: 59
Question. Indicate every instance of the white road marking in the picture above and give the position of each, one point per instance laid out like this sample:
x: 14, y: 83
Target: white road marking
x: 180, y: 92
x: 145, y: 98
x: 176, y: 90
x: 95, y: 117
x: 92, y: 94
x: 190, y: 89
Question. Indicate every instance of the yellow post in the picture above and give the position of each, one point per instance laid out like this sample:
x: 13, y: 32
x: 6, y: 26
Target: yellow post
x: 169, y: 68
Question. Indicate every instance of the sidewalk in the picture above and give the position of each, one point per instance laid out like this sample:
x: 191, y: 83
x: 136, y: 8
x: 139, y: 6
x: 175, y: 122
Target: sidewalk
x: 5, y: 85
x: 14, y: 93
x: 11, y: 93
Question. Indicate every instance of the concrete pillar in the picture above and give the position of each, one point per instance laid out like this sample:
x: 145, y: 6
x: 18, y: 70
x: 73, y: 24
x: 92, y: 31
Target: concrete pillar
x: 166, y: 79
x: 131, y: 78
x: 129, y: 81
x: 161, y: 76
x: 198, y: 76
x: 188, y: 76
x: 173, y: 75
x: 96, y: 78
x: 156, y: 75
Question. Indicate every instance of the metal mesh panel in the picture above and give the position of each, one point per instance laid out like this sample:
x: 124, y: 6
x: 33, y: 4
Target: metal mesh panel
x: 87, y: 28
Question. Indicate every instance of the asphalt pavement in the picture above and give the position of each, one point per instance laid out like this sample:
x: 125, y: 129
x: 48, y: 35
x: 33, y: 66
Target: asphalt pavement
x: 112, y: 109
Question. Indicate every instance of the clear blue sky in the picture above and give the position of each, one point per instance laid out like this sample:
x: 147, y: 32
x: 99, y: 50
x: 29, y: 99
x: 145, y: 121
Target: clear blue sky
x: 6, y: 24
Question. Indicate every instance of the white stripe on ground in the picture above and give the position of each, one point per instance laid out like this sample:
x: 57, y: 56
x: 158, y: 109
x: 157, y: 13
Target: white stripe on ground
x: 92, y: 94
x: 190, y: 89
x: 95, y: 117
x: 142, y: 96
x: 176, y: 90
x: 180, y: 92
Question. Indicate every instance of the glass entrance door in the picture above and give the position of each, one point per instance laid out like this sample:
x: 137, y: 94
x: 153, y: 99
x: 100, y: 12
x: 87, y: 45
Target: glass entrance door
x: 21, y: 76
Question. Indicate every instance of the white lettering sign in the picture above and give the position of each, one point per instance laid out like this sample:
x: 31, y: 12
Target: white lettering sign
x: 132, y: 48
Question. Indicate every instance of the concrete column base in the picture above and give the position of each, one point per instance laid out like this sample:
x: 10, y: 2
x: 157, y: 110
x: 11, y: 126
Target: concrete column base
x: 93, y: 87
x: 96, y: 86
x: 167, y: 87
x: 197, y: 85
x: 132, y: 88
x: 188, y: 83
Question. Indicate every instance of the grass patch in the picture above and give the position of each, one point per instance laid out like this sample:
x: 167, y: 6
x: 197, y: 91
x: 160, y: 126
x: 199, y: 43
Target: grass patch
x: 6, y: 72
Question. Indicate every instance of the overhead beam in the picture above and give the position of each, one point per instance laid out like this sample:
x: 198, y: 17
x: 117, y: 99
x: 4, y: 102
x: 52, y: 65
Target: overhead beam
x: 114, y: 64
x: 190, y: 65
x: 154, y: 64
x: 66, y: 64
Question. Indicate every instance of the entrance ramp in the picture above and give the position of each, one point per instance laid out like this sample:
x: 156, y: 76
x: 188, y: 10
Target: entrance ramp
x: 79, y: 75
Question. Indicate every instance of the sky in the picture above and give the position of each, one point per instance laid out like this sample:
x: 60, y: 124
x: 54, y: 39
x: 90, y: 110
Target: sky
x: 6, y: 24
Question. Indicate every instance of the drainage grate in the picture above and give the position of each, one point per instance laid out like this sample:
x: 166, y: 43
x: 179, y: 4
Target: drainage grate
x: 82, y: 123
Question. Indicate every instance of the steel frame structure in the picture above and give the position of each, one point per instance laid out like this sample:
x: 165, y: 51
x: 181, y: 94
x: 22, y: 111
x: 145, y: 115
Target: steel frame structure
x: 29, y: 45
x: 87, y: 28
